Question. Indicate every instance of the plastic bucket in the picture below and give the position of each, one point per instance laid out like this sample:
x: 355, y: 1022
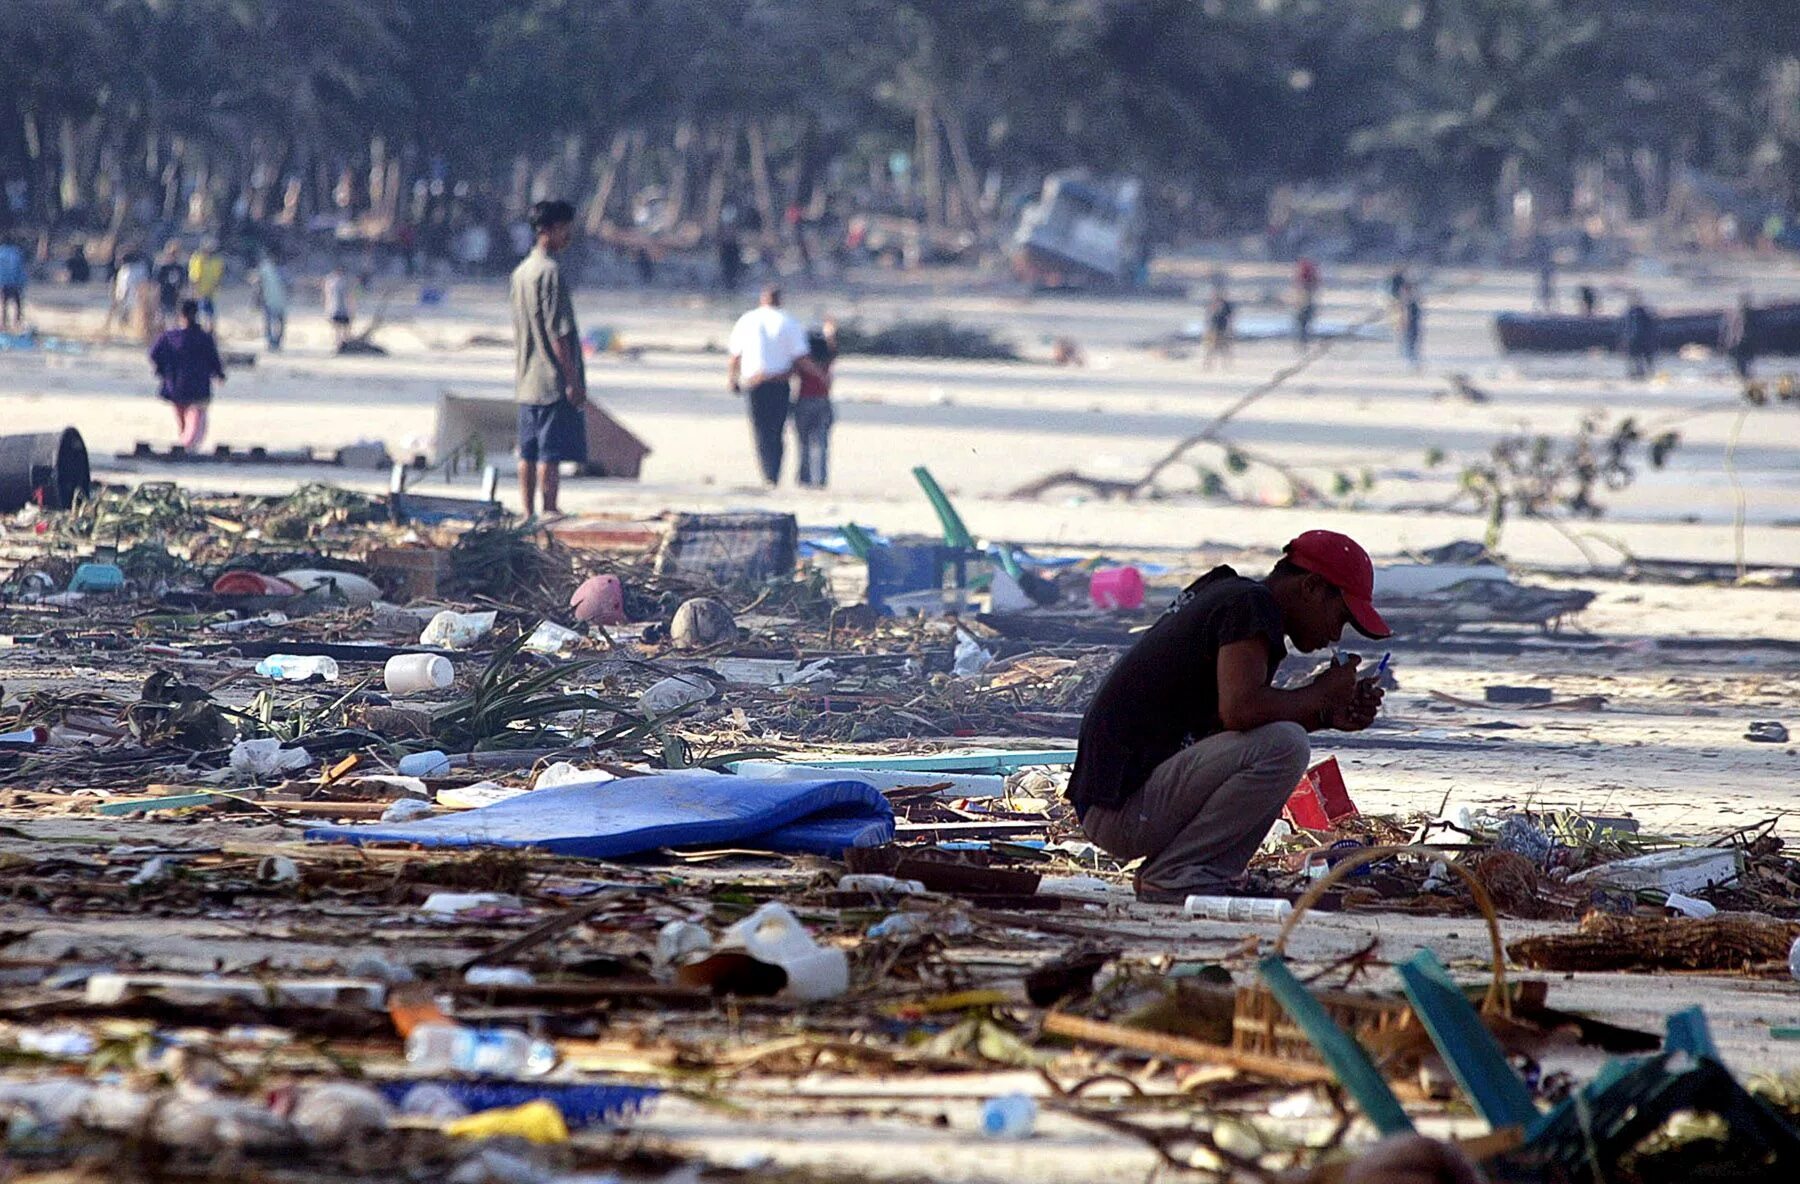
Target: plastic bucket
x: 1117, y: 587
x: 45, y: 468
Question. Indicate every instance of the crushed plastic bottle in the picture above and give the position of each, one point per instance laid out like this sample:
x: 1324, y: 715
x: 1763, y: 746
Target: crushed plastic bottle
x: 457, y: 631
x: 266, y: 757
x: 265, y: 620
x: 551, y: 638
x: 298, y: 668
x: 863, y: 882
x: 407, y: 810
x: 500, y: 1052
x: 1238, y: 908
x: 674, y: 693
x: 428, y: 1099
x: 970, y: 658
x: 430, y: 763
x: 567, y: 773
x: 1010, y: 1116
x: 679, y: 940
x: 337, y: 1113
x: 57, y: 1042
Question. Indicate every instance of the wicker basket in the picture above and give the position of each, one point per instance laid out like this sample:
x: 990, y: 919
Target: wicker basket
x: 1383, y: 1023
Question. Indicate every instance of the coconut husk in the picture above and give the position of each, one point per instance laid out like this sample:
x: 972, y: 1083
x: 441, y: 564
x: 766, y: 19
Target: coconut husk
x: 1607, y: 942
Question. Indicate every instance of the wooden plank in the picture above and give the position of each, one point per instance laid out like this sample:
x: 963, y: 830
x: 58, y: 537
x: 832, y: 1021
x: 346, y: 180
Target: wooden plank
x: 995, y: 761
x: 1181, y: 1048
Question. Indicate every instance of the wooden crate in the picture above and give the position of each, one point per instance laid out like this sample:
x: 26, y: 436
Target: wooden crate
x: 410, y: 573
x: 1260, y: 1025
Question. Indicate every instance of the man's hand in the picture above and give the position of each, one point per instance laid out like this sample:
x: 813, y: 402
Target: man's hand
x: 1360, y: 712
x: 576, y: 393
x: 1337, y: 685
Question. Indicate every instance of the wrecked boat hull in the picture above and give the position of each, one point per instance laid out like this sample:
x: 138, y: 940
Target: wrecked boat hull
x: 1778, y: 330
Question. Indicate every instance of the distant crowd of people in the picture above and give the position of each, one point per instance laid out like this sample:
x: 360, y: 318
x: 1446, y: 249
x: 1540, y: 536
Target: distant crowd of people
x: 1404, y: 294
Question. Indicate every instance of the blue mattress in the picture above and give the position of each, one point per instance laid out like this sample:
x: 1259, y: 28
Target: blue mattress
x: 628, y: 816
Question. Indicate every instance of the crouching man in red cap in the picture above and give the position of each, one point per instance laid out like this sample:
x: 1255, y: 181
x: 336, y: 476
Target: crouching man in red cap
x: 1187, y: 754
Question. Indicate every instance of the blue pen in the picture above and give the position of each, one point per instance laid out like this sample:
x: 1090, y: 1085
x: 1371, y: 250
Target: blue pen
x: 1381, y: 669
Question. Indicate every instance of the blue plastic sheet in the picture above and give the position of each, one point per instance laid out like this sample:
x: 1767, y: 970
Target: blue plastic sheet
x: 632, y: 815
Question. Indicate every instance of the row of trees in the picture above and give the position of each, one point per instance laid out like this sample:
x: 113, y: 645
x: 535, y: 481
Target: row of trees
x: 290, y: 109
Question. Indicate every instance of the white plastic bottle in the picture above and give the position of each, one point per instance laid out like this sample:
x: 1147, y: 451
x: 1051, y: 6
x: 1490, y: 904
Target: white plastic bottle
x: 297, y: 668
x: 499, y: 1052
x: 1238, y: 908
x: 408, y: 674
x: 1794, y: 959
x: 1009, y: 1116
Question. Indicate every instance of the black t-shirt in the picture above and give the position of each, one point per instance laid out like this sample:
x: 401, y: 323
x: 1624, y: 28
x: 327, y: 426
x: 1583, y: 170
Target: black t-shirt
x: 1164, y: 693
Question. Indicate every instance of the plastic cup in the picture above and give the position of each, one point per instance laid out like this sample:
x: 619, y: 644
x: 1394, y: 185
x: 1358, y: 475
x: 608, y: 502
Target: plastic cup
x: 408, y: 674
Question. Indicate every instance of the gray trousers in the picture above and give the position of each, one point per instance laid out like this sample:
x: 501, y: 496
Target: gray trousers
x: 1205, y: 810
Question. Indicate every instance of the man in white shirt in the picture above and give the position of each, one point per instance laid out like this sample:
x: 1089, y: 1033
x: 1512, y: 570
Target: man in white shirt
x: 766, y: 347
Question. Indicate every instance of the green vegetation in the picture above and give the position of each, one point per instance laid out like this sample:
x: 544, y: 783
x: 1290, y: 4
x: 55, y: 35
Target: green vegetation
x: 383, y: 110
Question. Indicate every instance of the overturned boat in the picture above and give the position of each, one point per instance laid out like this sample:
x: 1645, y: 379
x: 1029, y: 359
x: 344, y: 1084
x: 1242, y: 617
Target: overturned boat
x: 1777, y: 329
x: 1082, y: 232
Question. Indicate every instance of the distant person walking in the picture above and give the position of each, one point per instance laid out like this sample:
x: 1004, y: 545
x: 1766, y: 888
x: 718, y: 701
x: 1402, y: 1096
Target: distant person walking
x: 13, y: 278
x: 813, y: 415
x: 731, y: 260
x: 1589, y: 299
x: 206, y: 271
x: 128, y: 283
x: 1546, y: 286
x: 338, y: 309
x: 765, y: 346
x: 271, y: 288
x: 551, y: 379
x: 1216, y: 341
x: 78, y: 267
x: 171, y: 276
x: 1738, y: 336
x: 1306, y: 300
x: 1411, y: 316
x: 1637, y: 338
x: 186, y: 359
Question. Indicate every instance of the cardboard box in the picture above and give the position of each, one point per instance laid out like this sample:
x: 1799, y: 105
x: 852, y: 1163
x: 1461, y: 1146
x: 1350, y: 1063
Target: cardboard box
x: 1320, y: 799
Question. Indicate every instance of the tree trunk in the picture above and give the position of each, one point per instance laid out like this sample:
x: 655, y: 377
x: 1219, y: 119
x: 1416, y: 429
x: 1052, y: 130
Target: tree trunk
x: 686, y: 142
x: 967, y: 184
x: 931, y: 180
x: 759, y: 178
x: 724, y: 163
x: 606, y: 181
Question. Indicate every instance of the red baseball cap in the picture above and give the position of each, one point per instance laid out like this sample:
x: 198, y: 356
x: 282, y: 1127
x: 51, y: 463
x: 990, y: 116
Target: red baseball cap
x: 1342, y: 561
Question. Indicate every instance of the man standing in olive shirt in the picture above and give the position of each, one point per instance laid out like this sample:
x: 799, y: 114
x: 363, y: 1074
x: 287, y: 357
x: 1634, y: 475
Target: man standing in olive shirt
x: 552, y: 380
x: 1187, y: 753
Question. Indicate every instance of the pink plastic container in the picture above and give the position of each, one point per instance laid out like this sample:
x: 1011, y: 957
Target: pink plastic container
x: 600, y: 600
x: 1117, y: 587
